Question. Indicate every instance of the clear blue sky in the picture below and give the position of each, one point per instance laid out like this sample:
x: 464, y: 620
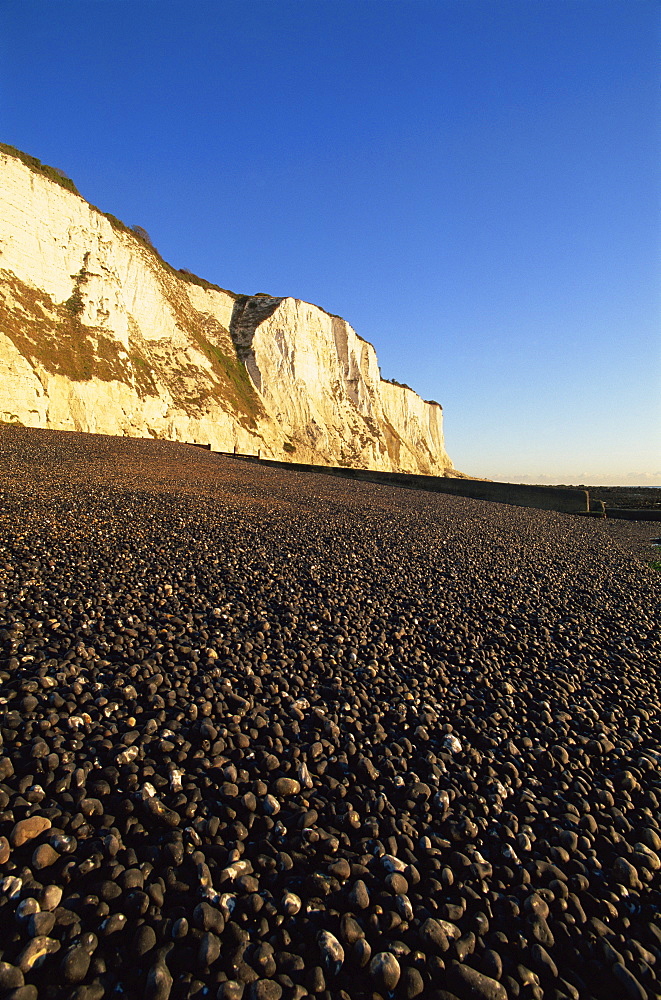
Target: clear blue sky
x: 473, y: 185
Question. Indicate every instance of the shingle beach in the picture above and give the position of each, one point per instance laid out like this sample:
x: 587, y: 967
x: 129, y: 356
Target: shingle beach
x: 274, y: 735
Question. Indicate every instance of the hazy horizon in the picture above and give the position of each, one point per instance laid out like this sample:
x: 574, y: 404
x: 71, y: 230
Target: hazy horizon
x: 473, y: 186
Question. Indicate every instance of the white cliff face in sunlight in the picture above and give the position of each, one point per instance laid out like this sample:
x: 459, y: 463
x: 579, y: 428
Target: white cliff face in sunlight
x: 98, y: 334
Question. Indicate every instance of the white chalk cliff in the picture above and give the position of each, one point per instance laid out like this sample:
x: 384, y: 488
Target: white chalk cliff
x: 99, y: 334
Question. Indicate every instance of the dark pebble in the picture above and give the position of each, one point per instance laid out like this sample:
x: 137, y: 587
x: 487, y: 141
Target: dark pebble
x: 358, y: 896
x: 93, y: 991
x: 159, y: 982
x: 385, y: 971
x: 209, y: 951
x: 230, y: 990
x: 144, y: 940
x: 433, y: 936
x: 480, y: 986
x: 11, y: 977
x: 44, y: 856
x: 411, y: 984
x: 75, y: 964
x: 27, y: 992
x: 630, y: 985
x: 265, y: 989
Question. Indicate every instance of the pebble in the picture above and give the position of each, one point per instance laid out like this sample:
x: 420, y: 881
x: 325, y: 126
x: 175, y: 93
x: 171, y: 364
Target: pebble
x: 433, y: 936
x: 36, y: 952
x: 273, y: 736
x: 159, y: 982
x: 44, y: 856
x: 50, y: 897
x: 411, y: 984
x: 542, y: 961
x: 385, y: 971
x: 358, y: 896
x: 28, y: 829
x: 11, y: 977
x: 492, y: 964
x: 5, y: 850
x: 291, y: 903
x: 230, y: 990
x: 209, y: 918
x: 331, y: 952
x: 27, y: 992
x: 41, y: 924
x: 625, y: 874
x: 632, y: 988
x: 361, y: 953
x: 265, y: 989
x: 75, y: 964
x: 209, y: 951
x: 480, y: 986
x: 350, y: 930
x: 144, y: 940
x: 285, y: 787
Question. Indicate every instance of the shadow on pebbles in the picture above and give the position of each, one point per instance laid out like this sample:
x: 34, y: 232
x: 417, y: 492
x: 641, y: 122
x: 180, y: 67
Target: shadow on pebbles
x: 268, y: 735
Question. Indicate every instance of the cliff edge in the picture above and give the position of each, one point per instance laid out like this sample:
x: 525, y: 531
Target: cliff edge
x: 99, y: 334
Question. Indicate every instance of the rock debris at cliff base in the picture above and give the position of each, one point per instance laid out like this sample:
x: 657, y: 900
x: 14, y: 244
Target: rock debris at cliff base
x: 268, y: 735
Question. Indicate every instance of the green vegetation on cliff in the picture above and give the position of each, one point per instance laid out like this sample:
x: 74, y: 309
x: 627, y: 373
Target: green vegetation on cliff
x: 53, y: 173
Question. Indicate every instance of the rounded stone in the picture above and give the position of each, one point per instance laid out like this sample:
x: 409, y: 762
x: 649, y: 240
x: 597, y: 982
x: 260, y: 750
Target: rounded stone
x: 11, y: 977
x: 625, y: 873
x: 209, y: 950
x: 230, y: 990
x: 385, y: 970
x: 433, y: 936
x: 27, y: 992
x: 28, y: 829
x: 75, y: 964
x: 331, y: 952
x: 480, y: 986
x: 50, y: 897
x: 144, y: 940
x: 159, y: 982
x: 411, y: 983
x: 358, y: 896
x: 633, y: 989
x: 41, y: 924
x: 265, y: 989
x: 286, y: 787
x: 36, y: 952
x: 44, y: 856
x: 5, y: 850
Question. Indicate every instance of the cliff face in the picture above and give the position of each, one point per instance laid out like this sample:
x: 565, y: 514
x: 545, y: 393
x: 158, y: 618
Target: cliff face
x: 98, y: 334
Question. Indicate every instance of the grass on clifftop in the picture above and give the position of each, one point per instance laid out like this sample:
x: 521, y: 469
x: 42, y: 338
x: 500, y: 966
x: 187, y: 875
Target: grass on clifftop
x: 59, y: 177
x: 53, y: 173
x: 139, y: 234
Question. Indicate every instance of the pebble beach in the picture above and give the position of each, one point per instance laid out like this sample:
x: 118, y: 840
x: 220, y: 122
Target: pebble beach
x: 268, y: 735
